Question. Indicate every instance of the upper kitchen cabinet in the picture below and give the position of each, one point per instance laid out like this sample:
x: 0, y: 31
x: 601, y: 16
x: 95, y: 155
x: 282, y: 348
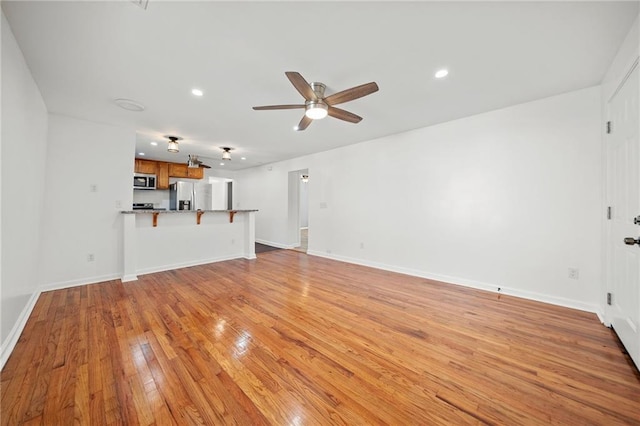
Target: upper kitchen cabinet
x: 145, y: 166
x: 178, y: 170
x: 163, y: 175
x: 182, y: 171
x: 164, y: 171
x: 197, y: 173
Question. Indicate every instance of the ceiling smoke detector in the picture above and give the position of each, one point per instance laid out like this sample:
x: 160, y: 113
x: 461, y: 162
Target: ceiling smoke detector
x: 173, y: 143
x: 129, y: 105
x: 226, y: 153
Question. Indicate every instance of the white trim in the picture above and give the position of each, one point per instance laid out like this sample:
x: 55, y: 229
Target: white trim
x: 274, y: 244
x: 128, y: 278
x: 630, y: 68
x: 12, y: 339
x: 250, y: 257
x: 495, y: 288
x: 76, y: 283
x: 173, y: 266
x: 601, y: 317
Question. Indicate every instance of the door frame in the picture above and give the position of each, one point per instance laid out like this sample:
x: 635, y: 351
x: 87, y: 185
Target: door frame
x: 614, y: 315
x: 293, y: 209
x: 606, y: 315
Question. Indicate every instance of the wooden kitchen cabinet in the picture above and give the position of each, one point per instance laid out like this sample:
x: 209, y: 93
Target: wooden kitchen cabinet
x: 178, y: 170
x: 182, y: 171
x: 162, y: 171
x: 195, y: 173
x: 145, y: 166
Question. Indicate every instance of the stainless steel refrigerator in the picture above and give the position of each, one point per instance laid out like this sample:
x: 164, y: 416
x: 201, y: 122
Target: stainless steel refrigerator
x: 190, y: 196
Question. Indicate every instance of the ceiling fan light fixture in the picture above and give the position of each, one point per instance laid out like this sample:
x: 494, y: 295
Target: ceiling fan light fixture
x: 316, y: 110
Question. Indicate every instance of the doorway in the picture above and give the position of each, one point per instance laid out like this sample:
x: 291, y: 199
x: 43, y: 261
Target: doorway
x: 622, y: 147
x: 298, y: 223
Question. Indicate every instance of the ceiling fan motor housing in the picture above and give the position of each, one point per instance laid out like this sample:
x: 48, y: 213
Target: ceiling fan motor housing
x: 318, y: 89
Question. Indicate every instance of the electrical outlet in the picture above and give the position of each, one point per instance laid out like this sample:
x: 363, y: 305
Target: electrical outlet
x: 233, y: 241
x: 574, y: 273
x: 93, y: 187
x: 90, y: 257
x: 361, y: 245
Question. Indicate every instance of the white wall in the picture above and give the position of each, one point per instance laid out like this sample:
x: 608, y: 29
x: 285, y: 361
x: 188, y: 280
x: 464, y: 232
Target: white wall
x: 78, y: 221
x: 509, y: 199
x: 24, y: 149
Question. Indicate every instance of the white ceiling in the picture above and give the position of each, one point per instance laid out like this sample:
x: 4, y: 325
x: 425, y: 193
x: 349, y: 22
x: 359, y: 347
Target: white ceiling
x: 83, y: 55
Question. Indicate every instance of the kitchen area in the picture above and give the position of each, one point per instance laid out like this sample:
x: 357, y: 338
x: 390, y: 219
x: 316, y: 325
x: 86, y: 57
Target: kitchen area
x: 160, y: 185
x: 182, y: 217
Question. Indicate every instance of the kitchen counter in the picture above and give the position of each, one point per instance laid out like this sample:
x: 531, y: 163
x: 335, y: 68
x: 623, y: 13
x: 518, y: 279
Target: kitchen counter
x: 183, y: 211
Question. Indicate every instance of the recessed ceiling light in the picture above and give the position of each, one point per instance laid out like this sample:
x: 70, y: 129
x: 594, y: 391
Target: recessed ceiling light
x: 222, y: 164
x: 243, y: 158
x: 154, y: 143
x: 295, y: 128
x: 129, y: 105
x: 141, y: 153
x: 197, y: 92
x: 442, y: 73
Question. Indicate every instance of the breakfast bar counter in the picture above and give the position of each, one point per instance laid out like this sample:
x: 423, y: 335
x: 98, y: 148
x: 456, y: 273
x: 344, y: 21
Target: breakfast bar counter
x: 159, y: 240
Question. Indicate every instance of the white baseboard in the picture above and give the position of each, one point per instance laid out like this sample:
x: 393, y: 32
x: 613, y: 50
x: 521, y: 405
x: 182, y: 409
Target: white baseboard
x: 172, y: 266
x: 250, y: 256
x: 81, y: 281
x: 602, y: 317
x: 274, y: 244
x: 12, y: 339
x: 127, y: 278
x: 553, y: 300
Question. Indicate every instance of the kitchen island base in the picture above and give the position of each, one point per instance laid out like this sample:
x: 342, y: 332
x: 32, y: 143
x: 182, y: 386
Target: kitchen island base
x: 184, y: 238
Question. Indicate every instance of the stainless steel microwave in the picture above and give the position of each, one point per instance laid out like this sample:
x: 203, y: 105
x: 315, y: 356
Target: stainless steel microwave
x: 142, y: 181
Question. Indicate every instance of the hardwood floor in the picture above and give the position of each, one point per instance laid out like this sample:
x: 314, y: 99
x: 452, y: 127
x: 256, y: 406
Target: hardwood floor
x: 290, y: 339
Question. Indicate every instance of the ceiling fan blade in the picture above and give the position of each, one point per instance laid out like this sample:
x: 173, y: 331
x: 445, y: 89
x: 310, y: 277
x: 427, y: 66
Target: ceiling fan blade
x: 304, y: 123
x: 344, y: 115
x: 301, y: 85
x: 351, y: 94
x: 268, y: 107
x: 204, y: 166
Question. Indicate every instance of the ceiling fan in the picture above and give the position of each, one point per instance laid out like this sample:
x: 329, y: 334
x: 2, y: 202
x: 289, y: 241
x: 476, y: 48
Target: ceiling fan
x: 317, y: 105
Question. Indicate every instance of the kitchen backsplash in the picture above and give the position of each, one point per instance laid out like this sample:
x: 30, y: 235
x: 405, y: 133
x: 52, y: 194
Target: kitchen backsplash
x: 159, y: 197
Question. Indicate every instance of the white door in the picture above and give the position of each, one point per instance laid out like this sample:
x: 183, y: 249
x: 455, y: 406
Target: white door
x: 623, y: 187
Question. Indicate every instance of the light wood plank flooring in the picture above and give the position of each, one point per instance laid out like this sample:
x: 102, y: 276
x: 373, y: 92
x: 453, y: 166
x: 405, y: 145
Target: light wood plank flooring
x: 291, y: 339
